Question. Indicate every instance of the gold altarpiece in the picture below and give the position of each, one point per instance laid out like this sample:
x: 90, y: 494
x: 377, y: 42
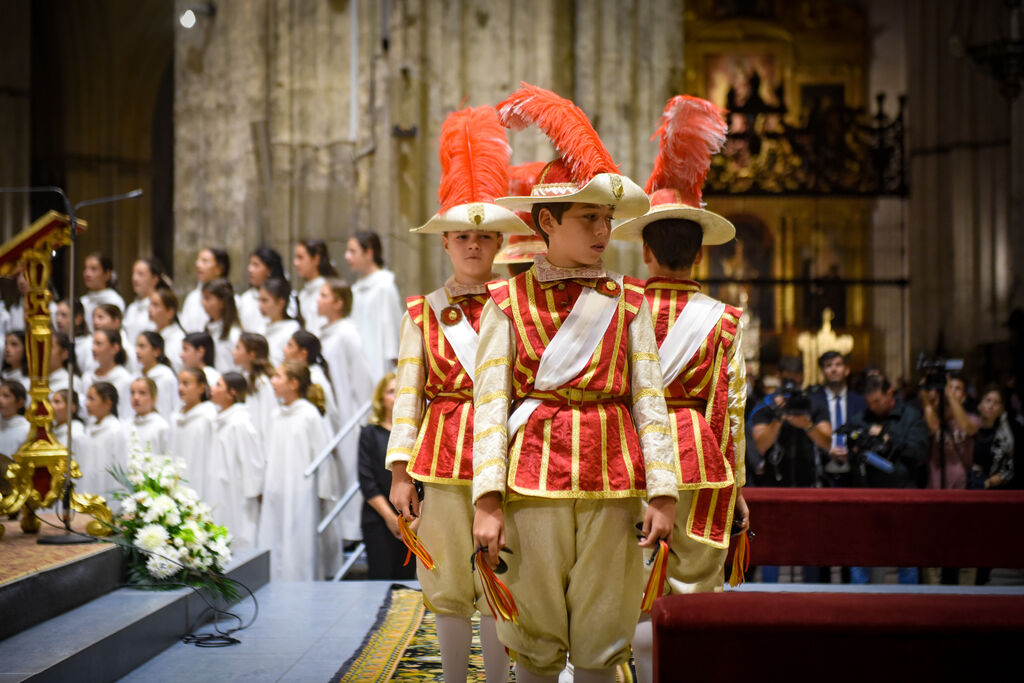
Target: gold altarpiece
x: 780, y: 66
x: 41, y: 465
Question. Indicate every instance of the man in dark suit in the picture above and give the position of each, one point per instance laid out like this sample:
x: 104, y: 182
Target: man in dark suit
x: 842, y: 403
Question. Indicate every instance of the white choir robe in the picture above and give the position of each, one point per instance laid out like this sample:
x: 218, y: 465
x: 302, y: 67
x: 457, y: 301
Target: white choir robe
x: 167, y: 399
x: 59, y: 382
x: 377, y: 311
x: 122, y: 381
x: 192, y: 315
x: 249, y: 315
x: 191, y: 440
x: 353, y: 386
x: 212, y: 375
x: 136, y: 320
x: 79, y: 442
x: 16, y: 375
x: 277, y: 334
x: 128, y: 344
x: 308, y: 295
x: 106, y: 444
x: 237, y: 468
x: 263, y: 405
x: 13, y: 431
x: 152, y: 432
x: 331, y: 416
x: 291, y: 510
x: 83, y: 355
x: 173, y: 336
x: 223, y: 349
x: 91, y: 300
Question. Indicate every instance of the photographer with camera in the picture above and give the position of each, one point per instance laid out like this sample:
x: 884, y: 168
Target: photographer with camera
x: 888, y: 445
x: 788, y: 427
x: 842, y: 403
x: 949, y: 464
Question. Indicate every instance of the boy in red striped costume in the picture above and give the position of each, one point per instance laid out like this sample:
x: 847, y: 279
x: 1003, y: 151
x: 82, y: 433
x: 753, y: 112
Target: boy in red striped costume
x: 571, y: 431
x: 699, y: 346
x: 432, y: 437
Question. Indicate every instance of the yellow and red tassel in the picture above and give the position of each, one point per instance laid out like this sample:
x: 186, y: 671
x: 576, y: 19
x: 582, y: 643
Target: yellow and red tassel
x: 656, y: 582
x: 740, y: 560
x: 499, y: 597
x: 414, y: 545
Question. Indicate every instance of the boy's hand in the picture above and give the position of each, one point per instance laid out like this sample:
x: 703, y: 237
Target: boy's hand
x: 403, y: 493
x: 489, y: 526
x: 658, y: 521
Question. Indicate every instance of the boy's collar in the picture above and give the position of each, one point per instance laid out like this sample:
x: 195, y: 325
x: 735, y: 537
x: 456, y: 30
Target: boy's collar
x: 548, y: 272
x: 456, y: 289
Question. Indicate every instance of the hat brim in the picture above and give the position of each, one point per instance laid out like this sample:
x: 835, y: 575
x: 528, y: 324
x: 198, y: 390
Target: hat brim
x: 521, y: 252
x: 717, y: 230
x: 482, y: 216
x: 606, y: 189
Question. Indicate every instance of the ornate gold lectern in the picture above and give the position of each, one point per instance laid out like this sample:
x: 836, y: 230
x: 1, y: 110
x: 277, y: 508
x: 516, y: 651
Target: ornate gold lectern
x: 40, y: 468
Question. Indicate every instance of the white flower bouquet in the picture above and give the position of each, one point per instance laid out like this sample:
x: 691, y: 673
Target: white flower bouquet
x: 167, y: 532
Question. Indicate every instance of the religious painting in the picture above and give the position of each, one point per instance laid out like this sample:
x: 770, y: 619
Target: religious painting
x: 750, y: 87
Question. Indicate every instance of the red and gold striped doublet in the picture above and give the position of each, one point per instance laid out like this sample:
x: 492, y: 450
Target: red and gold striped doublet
x: 443, y: 452
x: 581, y: 441
x: 707, y: 402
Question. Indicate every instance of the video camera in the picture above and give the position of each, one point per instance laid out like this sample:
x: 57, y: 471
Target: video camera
x: 936, y: 370
x: 796, y: 401
x: 867, y: 448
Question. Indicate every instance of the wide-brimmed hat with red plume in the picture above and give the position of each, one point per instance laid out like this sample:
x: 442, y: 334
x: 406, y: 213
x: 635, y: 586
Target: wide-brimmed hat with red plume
x: 584, y: 172
x: 691, y: 131
x: 523, y: 248
x: 474, y: 155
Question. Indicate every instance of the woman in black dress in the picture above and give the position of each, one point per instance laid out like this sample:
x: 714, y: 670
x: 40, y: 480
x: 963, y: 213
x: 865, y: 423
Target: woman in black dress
x: 385, y: 552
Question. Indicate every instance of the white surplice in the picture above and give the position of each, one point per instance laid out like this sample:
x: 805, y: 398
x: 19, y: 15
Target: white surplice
x: 277, y: 335
x: 173, y: 336
x: 191, y: 440
x: 290, y: 506
x: 236, y: 472
x: 151, y: 431
x: 192, y: 314
x: 136, y: 320
x: 249, y: 315
x: 353, y: 386
x: 105, y: 445
x: 377, y: 311
x: 13, y: 431
x: 167, y: 399
x: 223, y: 349
x: 307, y: 304
x: 121, y: 378
x: 263, y: 405
x: 90, y: 300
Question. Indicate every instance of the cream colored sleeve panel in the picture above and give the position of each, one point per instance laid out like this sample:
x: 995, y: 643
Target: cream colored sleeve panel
x: 649, y: 412
x: 409, y: 380
x: 738, y: 406
x: 492, y: 388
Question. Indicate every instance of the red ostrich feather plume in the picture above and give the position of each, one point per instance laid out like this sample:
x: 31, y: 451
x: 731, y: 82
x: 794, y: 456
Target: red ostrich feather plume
x: 691, y: 131
x: 474, y: 158
x: 566, y: 126
x: 523, y: 177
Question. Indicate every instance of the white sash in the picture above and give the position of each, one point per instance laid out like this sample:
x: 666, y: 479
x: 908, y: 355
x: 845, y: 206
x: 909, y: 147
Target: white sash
x: 691, y: 328
x: 571, y: 348
x: 461, y: 335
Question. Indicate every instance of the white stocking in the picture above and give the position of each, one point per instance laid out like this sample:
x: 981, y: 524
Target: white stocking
x: 643, y: 651
x: 495, y: 657
x: 595, y: 675
x: 454, y: 635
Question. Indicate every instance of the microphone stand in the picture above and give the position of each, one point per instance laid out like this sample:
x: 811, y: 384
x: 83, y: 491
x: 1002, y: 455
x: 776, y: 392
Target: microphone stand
x: 69, y: 537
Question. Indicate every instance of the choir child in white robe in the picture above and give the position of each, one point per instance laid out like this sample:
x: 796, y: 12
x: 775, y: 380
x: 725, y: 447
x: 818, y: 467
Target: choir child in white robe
x: 274, y: 296
x: 288, y: 518
x: 108, y: 362
x: 264, y: 263
x: 109, y: 317
x: 154, y: 364
x: 65, y: 424
x: 237, y: 463
x: 13, y: 425
x: 78, y: 332
x: 149, y: 428
x: 99, y: 279
x: 107, y: 443
x: 15, y: 365
x: 219, y: 304
x: 377, y: 308
x: 192, y: 428
x: 60, y: 353
x: 211, y: 263
x: 251, y: 355
x: 198, y: 351
x: 312, y: 264
x: 163, y: 311
x: 304, y: 347
x: 351, y: 380
x: 147, y: 275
